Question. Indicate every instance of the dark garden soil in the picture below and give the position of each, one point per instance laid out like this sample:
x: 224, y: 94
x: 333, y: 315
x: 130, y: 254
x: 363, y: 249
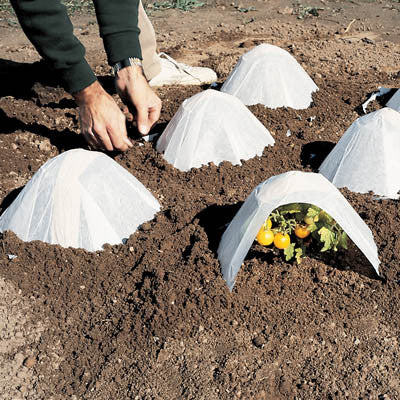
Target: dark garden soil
x: 153, y: 318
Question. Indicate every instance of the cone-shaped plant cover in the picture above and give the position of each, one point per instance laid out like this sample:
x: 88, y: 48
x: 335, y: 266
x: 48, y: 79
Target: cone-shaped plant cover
x: 80, y: 199
x: 271, y: 76
x: 212, y: 127
x: 394, y: 102
x: 287, y: 188
x: 367, y: 157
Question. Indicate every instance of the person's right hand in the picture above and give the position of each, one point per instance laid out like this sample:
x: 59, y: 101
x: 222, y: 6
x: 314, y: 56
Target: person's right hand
x: 101, y: 120
x: 136, y: 93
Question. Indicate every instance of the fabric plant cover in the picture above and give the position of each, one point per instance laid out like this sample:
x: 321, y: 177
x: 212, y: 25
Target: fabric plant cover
x: 394, y: 102
x: 367, y: 157
x: 212, y: 127
x: 270, y: 76
x: 80, y: 199
x: 287, y: 188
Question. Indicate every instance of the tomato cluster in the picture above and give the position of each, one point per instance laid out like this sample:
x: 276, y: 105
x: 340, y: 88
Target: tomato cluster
x: 302, y: 221
x: 281, y: 240
x: 267, y: 236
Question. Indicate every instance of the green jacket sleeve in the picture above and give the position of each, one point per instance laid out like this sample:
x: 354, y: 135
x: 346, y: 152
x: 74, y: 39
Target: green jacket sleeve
x: 118, y: 22
x: 47, y: 26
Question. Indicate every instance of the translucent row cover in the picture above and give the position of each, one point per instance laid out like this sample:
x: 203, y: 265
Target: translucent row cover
x: 366, y: 158
x: 80, y: 199
x: 270, y: 76
x: 290, y: 187
x: 212, y: 127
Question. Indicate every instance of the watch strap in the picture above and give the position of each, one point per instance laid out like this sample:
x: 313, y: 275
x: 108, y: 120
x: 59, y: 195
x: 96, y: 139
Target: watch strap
x: 127, y: 62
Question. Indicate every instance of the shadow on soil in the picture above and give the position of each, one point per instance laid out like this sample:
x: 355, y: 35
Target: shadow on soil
x: 17, y: 79
x: 27, y: 81
x: 350, y: 260
x: 314, y: 153
x: 9, y: 199
x: 214, y: 220
x: 63, y: 140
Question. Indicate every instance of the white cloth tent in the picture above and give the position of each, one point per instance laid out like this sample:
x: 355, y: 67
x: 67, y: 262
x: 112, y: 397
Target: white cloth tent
x: 394, y: 101
x: 367, y: 157
x: 290, y: 187
x: 80, y: 199
x: 212, y: 127
x: 270, y: 76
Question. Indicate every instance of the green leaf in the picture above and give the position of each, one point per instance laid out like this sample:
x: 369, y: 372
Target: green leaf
x: 343, y: 240
x: 327, y: 237
x: 312, y: 212
x: 312, y: 227
x: 299, y: 255
x: 291, y: 208
x: 289, y: 252
x: 325, y: 218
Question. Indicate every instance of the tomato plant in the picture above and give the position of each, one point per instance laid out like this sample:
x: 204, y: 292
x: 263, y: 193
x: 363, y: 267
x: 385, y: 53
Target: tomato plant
x: 308, y: 224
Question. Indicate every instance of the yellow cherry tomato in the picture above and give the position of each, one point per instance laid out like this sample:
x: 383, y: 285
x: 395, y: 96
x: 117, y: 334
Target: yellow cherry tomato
x: 281, y: 240
x: 265, y: 237
x: 268, y: 224
x: 301, y: 231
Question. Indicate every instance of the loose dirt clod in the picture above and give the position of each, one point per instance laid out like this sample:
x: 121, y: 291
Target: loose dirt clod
x: 29, y: 362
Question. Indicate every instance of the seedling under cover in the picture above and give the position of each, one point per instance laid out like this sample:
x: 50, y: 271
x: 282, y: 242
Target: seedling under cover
x: 212, y: 127
x: 287, y: 188
x: 366, y: 158
x: 297, y: 228
x: 270, y: 76
x: 80, y: 199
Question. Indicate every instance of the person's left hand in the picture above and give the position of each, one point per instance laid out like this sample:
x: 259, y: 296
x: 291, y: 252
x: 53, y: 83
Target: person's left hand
x: 134, y: 90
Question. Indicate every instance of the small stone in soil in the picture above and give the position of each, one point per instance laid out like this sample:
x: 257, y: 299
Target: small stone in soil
x: 259, y: 342
x: 29, y: 362
x: 146, y: 226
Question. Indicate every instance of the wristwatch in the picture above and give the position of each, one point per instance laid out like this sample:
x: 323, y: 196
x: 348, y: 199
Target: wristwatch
x: 127, y: 62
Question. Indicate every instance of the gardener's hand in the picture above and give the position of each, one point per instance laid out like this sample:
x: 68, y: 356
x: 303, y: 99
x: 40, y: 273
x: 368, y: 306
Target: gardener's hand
x: 134, y: 91
x: 102, y: 122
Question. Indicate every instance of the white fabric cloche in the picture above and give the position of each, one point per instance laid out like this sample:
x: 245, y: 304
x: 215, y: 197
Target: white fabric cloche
x: 287, y: 188
x: 212, y: 127
x: 367, y: 156
x: 270, y: 76
x: 80, y: 199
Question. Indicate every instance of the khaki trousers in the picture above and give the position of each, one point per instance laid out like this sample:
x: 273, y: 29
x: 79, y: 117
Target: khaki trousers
x: 147, y: 38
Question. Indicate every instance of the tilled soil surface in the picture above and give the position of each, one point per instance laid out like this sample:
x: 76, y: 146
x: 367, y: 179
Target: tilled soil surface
x: 153, y: 318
